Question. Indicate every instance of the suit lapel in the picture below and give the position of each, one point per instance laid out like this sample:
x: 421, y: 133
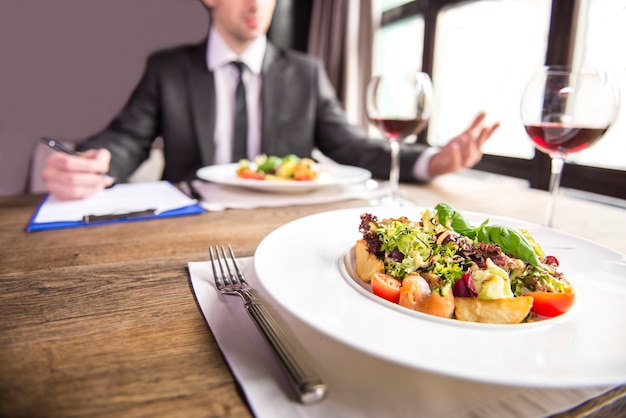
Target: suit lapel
x: 202, y: 92
x: 271, y: 96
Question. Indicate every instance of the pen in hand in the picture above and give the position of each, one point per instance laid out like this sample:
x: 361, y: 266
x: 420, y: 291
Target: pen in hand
x: 59, y: 146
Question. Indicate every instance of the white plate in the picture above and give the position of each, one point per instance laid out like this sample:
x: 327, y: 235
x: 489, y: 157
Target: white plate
x: 330, y: 176
x: 300, y: 265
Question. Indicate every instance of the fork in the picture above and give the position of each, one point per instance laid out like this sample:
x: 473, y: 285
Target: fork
x: 230, y: 280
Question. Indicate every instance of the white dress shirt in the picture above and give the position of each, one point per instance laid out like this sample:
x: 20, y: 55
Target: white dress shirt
x: 219, y: 57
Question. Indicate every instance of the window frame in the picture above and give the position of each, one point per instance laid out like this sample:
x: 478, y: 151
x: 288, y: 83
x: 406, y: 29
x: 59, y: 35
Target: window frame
x: 560, y: 50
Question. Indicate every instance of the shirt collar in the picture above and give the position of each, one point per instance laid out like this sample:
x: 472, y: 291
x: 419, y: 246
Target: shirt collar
x: 219, y: 54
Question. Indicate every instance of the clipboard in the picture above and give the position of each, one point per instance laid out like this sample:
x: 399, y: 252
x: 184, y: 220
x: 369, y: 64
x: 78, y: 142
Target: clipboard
x: 126, y: 202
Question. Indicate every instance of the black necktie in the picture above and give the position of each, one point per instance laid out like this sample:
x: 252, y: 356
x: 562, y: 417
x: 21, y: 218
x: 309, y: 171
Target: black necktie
x: 240, y: 144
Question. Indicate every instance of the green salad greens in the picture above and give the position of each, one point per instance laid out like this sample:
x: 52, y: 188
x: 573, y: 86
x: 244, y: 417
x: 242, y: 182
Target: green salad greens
x: 445, y: 245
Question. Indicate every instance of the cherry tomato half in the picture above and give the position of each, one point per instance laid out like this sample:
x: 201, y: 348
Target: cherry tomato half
x: 386, y: 287
x: 551, y: 304
x: 247, y: 173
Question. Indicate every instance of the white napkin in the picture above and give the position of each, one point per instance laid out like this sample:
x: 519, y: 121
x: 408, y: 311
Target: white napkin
x: 359, y: 385
x: 217, y: 197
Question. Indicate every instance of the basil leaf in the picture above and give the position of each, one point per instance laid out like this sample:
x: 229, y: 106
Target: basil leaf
x: 457, y: 221
x: 510, y: 241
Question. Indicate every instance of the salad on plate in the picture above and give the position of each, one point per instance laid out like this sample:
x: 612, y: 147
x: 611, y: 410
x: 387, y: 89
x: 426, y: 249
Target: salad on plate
x: 274, y: 168
x: 442, y: 265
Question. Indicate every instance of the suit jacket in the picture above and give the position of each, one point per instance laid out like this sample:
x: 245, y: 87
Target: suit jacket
x: 175, y: 100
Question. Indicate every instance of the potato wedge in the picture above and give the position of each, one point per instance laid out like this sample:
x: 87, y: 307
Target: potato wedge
x: 366, y: 263
x: 493, y: 311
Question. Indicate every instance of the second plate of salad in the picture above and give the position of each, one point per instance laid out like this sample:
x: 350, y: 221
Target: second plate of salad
x: 325, y: 176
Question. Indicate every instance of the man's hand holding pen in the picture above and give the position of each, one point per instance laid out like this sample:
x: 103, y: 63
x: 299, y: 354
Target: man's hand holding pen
x: 69, y: 177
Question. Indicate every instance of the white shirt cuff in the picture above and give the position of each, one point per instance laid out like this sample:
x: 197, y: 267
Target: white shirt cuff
x: 420, y: 169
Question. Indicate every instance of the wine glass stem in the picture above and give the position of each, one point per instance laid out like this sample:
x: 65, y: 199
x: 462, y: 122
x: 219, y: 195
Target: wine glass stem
x: 394, y: 173
x: 556, y: 170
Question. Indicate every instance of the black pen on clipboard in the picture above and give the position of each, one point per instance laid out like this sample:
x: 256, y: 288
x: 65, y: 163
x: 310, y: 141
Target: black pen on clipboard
x: 119, y: 216
x: 60, y: 147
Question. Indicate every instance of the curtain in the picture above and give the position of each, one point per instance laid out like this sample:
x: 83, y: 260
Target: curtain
x: 342, y: 36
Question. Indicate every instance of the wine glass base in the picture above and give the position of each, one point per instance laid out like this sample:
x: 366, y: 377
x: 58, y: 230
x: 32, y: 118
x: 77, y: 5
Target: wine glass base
x: 383, y: 196
x: 391, y: 202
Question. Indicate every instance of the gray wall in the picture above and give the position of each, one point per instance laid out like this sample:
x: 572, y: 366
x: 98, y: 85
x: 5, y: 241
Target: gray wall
x: 67, y: 67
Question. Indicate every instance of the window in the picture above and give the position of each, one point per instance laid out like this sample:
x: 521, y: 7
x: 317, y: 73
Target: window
x: 602, y: 43
x: 480, y: 54
x: 392, y: 53
x: 476, y: 70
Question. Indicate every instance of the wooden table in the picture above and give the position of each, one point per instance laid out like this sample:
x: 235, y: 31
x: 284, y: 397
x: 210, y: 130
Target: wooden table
x: 102, y: 321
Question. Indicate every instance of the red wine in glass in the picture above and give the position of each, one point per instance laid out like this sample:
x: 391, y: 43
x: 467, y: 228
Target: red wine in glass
x: 561, y: 139
x: 394, y: 129
x: 566, y: 110
x: 398, y: 106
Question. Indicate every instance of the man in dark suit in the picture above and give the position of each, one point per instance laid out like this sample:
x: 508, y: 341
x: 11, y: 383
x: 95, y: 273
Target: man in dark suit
x: 186, y: 96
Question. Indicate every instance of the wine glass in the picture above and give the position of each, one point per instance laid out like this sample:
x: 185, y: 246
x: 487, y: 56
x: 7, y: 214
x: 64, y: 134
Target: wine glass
x: 567, y: 110
x: 398, y: 106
